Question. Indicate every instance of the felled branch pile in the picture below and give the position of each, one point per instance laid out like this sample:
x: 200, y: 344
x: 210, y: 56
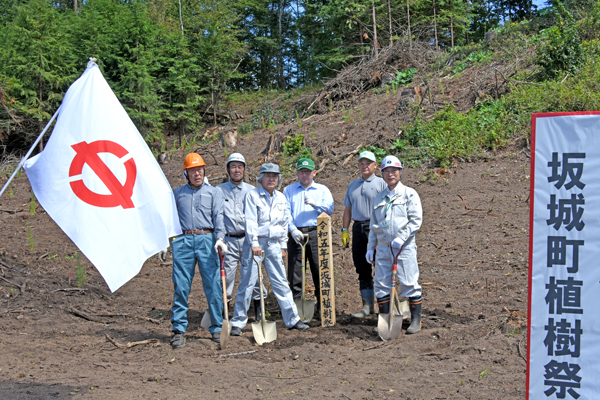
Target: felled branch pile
x: 372, y: 72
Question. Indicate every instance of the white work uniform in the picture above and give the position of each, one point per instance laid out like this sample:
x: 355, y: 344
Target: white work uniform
x: 396, y: 214
x: 266, y: 227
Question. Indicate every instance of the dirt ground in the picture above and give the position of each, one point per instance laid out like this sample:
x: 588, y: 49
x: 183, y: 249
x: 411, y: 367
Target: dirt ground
x: 473, y: 246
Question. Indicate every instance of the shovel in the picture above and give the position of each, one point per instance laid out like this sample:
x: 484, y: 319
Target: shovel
x: 226, y: 329
x: 206, y: 320
x: 388, y: 327
x: 263, y: 331
x: 306, y: 308
x: 402, y: 308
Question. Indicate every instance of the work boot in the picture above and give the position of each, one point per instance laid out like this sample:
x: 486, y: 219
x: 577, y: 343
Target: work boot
x: 301, y: 326
x: 177, y: 340
x: 368, y: 300
x: 235, y: 331
x: 216, y: 337
x: 384, y: 304
x: 257, y: 310
x: 415, y: 314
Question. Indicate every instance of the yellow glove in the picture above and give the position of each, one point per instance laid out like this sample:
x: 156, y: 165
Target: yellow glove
x: 345, y: 238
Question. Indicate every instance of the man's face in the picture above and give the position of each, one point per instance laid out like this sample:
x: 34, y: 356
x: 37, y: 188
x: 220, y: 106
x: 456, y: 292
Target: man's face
x: 306, y: 176
x: 366, y: 167
x: 196, y: 176
x: 269, y: 181
x: 391, y: 176
x: 236, y: 171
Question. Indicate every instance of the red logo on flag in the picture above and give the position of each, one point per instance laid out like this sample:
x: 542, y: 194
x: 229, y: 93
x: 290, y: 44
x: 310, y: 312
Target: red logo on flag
x: 87, y: 153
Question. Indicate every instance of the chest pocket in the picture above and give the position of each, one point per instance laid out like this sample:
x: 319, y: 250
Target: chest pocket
x: 399, y: 207
x: 379, y: 219
x: 229, y: 207
x: 204, y: 203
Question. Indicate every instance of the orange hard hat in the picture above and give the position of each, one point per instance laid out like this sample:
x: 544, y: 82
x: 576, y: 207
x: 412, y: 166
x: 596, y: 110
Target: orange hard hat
x: 193, y: 160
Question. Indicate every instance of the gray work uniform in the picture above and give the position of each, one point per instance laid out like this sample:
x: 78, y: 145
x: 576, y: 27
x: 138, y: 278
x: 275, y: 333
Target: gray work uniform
x: 234, y: 219
x: 266, y: 227
x: 359, y: 197
x: 396, y: 214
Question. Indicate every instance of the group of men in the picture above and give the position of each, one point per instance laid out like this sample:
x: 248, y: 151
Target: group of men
x: 248, y: 225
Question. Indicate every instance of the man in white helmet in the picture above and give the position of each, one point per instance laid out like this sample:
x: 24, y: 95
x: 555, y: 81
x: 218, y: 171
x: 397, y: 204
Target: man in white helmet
x: 396, y: 217
x: 234, y: 193
x: 267, y: 219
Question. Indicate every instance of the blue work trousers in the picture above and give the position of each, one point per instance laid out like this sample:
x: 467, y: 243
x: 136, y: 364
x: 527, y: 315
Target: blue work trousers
x: 187, y: 249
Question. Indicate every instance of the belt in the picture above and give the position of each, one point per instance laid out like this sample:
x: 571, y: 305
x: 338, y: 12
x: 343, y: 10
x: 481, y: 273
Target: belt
x: 236, y: 234
x: 198, y: 232
x: 307, y: 229
x: 363, y: 222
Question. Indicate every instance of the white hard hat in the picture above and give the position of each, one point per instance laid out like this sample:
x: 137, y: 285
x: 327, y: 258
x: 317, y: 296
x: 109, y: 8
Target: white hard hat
x: 236, y: 157
x: 390, y: 161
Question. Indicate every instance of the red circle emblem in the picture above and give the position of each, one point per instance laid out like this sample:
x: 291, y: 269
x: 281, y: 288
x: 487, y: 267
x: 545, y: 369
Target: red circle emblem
x: 87, y: 153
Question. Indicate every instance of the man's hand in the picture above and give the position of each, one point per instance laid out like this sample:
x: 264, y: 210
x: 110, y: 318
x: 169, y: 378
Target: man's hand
x: 162, y: 255
x: 298, y: 236
x: 221, y: 245
x: 309, y: 201
x: 257, y: 251
x: 397, y: 244
x: 369, y: 256
x: 283, y: 253
x: 345, y: 238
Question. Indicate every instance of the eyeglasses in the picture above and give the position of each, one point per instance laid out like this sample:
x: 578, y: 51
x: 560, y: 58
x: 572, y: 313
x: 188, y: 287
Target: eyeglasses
x: 391, y: 171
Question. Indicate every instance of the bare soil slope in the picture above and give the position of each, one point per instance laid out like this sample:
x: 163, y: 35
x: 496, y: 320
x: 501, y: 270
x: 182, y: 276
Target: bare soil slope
x: 61, y: 343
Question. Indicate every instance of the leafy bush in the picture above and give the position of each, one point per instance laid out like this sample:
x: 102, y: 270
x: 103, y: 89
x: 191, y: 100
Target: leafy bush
x: 294, y: 149
x: 560, y: 49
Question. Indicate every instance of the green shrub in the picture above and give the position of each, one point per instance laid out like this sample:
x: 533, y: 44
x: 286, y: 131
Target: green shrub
x: 560, y: 49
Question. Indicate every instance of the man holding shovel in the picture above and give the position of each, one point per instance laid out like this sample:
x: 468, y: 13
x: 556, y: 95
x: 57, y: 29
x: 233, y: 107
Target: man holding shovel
x: 359, y: 203
x: 265, y: 209
x: 234, y: 193
x: 306, y: 201
x: 396, y: 217
x: 200, y: 210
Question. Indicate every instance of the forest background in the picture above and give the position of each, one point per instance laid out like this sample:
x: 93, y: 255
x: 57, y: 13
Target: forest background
x: 173, y: 63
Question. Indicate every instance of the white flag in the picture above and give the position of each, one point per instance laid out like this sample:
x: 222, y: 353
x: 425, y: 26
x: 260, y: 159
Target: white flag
x: 100, y: 183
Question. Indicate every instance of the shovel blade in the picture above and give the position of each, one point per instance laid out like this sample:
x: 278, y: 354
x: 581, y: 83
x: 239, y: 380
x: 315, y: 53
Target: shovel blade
x: 306, y: 309
x: 264, y: 332
x: 387, y: 331
x: 206, y: 321
x: 225, y: 331
x: 401, y: 309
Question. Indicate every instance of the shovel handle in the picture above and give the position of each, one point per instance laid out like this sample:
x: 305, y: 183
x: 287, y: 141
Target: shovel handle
x: 395, y: 267
x: 222, y: 261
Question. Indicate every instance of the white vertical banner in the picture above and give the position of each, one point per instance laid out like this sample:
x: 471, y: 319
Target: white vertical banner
x: 564, y: 257
x: 100, y: 183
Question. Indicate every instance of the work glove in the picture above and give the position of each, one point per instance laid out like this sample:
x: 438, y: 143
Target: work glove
x: 345, y: 238
x: 221, y: 245
x: 397, y: 243
x: 309, y: 201
x: 298, y: 236
x: 370, y: 254
x: 162, y: 255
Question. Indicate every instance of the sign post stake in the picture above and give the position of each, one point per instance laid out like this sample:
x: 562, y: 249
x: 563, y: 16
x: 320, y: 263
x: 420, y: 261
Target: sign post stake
x: 326, y: 276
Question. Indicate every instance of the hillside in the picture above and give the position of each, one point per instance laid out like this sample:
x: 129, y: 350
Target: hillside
x: 472, y: 255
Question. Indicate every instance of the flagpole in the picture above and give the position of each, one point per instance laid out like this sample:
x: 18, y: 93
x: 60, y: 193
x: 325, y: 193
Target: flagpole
x: 30, y: 151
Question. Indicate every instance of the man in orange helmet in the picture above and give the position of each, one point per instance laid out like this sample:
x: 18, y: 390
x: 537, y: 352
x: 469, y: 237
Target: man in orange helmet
x: 200, y: 209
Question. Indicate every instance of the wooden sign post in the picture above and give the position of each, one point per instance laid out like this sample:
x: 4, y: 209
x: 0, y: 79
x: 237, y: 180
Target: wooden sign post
x: 326, y: 278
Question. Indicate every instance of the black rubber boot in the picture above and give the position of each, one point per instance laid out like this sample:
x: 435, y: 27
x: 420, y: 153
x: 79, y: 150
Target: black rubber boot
x: 415, y: 315
x: 257, y: 312
x: 384, y: 304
